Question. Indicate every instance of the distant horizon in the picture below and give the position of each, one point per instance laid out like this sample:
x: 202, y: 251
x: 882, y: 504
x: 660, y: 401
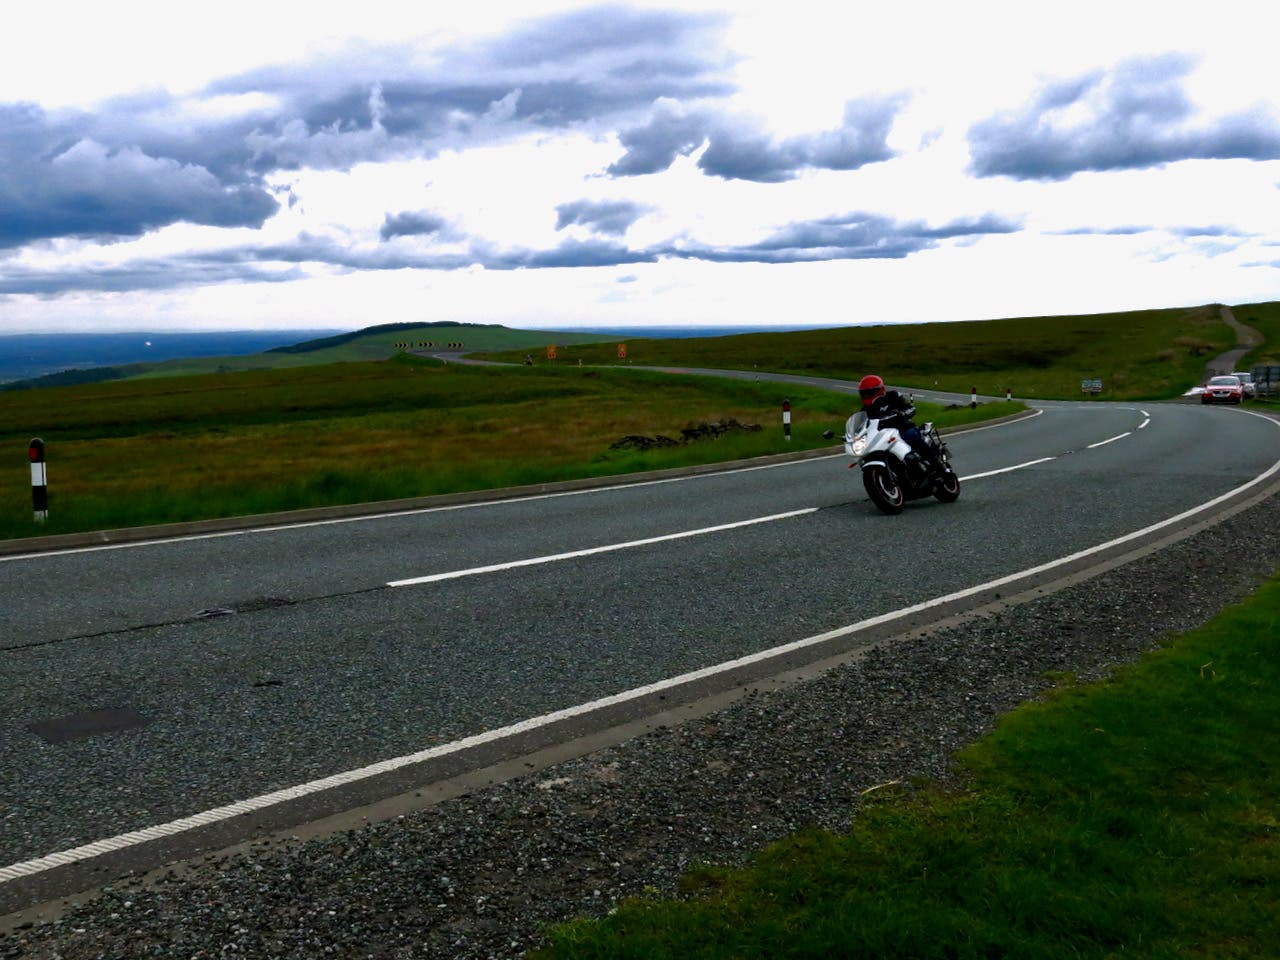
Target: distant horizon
x: 636, y: 328
x: 327, y: 331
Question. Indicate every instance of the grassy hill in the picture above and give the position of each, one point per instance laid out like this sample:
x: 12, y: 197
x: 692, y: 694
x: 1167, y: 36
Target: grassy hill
x: 1148, y: 354
x: 370, y: 344
x: 385, y: 341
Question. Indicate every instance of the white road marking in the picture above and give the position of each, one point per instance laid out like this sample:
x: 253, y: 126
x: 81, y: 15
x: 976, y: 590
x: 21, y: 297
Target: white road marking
x: 589, y: 551
x: 608, y: 548
x: 1103, y: 443
x: 1016, y: 466
x: 218, y: 814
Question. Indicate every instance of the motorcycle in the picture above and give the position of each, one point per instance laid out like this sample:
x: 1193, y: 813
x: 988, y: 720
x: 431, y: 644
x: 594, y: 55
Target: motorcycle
x: 892, y: 472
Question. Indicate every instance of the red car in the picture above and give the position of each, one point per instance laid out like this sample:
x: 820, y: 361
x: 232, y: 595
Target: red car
x: 1224, y: 389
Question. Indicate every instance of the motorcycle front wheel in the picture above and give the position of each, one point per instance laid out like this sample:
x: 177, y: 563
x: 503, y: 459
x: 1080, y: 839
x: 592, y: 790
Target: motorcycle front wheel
x: 884, y: 489
x: 947, y: 488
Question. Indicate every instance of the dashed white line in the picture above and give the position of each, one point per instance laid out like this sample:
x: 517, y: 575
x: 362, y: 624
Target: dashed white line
x: 590, y: 551
x: 1103, y: 443
x: 1016, y: 466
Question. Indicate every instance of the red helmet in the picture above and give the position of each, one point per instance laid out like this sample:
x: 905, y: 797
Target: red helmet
x: 870, y: 387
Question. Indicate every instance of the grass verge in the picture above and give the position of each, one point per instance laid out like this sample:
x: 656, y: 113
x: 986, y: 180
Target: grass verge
x: 1137, y: 817
x: 131, y: 453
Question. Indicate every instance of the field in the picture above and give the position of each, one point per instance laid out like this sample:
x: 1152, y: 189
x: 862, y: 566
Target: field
x: 1151, y: 354
x: 170, y: 449
x: 359, y: 418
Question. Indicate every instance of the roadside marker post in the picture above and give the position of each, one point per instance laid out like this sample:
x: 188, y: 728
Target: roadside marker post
x: 39, y: 481
x: 1008, y: 393
x: 786, y: 419
x: 973, y: 399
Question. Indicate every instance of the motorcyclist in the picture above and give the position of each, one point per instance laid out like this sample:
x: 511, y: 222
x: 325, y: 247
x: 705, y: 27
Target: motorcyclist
x: 892, y: 409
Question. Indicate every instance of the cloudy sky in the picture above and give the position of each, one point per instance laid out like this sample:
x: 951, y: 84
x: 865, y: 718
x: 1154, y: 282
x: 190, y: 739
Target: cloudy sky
x: 548, y: 164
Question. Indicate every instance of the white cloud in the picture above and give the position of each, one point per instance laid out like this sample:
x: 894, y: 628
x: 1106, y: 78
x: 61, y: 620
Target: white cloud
x: 293, y: 164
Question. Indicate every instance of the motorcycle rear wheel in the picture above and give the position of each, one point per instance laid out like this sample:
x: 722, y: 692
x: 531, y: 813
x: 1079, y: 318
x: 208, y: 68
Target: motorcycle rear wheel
x: 947, y: 489
x: 884, y: 490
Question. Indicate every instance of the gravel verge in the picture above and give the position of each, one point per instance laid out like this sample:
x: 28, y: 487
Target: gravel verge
x: 478, y: 876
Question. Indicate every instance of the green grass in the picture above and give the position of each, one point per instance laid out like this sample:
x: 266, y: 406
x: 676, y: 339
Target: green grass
x: 340, y: 428
x: 1132, y: 818
x: 1149, y: 354
x: 146, y: 451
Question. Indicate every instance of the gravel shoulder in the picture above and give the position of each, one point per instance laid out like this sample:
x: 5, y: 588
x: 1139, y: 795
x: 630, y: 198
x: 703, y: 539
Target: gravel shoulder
x: 477, y: 876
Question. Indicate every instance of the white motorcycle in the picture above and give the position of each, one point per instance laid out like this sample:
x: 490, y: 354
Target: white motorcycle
x: 892, y: 471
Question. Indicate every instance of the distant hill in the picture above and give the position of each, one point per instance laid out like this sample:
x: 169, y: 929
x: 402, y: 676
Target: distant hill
x: 113, y: 358
x: 311, y: 346
x: 31, y: 355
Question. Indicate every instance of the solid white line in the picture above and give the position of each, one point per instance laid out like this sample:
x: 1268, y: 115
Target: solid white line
x: 124, y: 840
x: 589, y: 551
x: 1103, y: 443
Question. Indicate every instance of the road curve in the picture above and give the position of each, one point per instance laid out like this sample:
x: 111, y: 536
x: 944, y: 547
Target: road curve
x: 226, y: 669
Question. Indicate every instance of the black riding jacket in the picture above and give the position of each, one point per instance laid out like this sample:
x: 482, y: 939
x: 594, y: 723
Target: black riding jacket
x: 892, y: 409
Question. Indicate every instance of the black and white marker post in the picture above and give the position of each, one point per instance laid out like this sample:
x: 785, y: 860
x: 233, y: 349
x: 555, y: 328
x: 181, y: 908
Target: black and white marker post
x: 39, y: 481
x: 786, y: 419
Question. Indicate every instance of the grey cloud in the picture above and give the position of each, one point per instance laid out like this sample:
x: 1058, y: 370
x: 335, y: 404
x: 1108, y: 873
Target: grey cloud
x: 581, y: 68
x: 1213, y: 230
x: 612, y: 217
x: 412, y: 224
x: 139, y: 275
x: 1126, y: 231
x: 855, y: 236
x: 54, y: 183
x: 735, y: 151
x: 1138, y: 115
x: 652, y: 147
x: 569, y: 254
x: 136, y: 169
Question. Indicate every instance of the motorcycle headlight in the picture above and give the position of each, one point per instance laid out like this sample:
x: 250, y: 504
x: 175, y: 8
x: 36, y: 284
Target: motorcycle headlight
x: 859, y: 444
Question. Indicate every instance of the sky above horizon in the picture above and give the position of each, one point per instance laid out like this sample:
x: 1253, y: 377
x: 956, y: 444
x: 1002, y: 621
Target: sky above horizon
x: 553, y: 163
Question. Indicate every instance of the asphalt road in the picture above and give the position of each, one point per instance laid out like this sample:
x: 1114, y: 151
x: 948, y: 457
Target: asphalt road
x: 253, y: 661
